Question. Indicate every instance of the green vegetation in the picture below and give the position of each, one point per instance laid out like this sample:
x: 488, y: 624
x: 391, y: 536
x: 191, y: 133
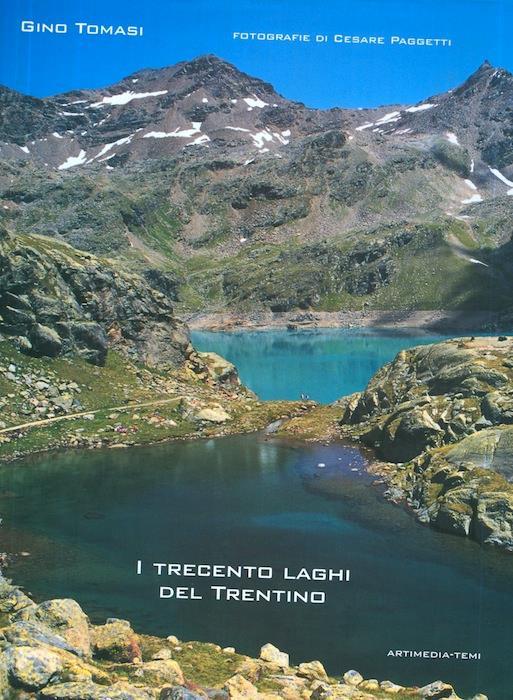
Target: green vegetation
x: 68, y: 402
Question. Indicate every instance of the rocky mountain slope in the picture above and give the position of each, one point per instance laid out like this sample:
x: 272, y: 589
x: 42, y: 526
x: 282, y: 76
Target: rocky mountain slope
x: 92, y: 355
x: 57, y: 300
x: 247, y: 200
x: 52, y: 651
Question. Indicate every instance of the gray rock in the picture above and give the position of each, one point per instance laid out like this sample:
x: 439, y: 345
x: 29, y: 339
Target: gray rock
x: 45, y: 341
x: 31, y: 667
x: 181, y: 693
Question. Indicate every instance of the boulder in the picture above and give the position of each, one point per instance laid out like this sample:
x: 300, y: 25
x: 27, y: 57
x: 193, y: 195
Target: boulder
x: 273, y: 655
x: 369, y: 684
x: 65, y: 618
x: 336, y: 692
x: 220, y: 369
x: 494, y: 519
x: 213, y: 415
x: 391, y: 688
x: 352, y: 678
x: 251, y: 668
x: 454, y: 517
x: 32, y: 667
x: 12, y: 599
x: 238, y: 688
x: 115, y: 641
x: 313, y: 670
x: 161, y: 655
x: 179, y: 693
x: 26, y: 633
x: 44, y: 341
x: 162, y: 672
x: 90, y: 339
x: 436, y: 690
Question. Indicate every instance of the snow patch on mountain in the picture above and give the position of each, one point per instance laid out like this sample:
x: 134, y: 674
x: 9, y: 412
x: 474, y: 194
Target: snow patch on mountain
x: 237, y: 128
x: 421, y: 108
x: 255, y: 102
x: 389, y: 118
x: 261, y: 137
x: 474, y: 199
x: 126, y: 97
x: 200, y: 141
x: 502, y: 178
x: 72, y: 161
x: 177, y: 133
x: 109, y: 146
x: 452, y: 138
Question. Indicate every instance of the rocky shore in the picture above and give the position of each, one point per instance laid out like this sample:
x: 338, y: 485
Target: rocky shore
x: 52, y: 651
x: 439, y: 419
x: 455, y: 321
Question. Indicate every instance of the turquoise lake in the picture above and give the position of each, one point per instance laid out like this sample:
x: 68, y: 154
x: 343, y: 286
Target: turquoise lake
x: 86, y: 517
x: 324, y: 364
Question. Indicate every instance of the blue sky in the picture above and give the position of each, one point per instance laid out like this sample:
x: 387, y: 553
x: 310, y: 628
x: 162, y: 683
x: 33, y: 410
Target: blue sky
x: 320, y: 75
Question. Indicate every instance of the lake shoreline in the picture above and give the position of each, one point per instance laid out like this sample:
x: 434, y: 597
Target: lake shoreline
x: 158, y: 638
x: 438, y: 320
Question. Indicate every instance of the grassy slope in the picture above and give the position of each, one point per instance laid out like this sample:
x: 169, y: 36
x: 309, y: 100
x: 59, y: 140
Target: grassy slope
x: 123, y: 386
x: 428, y: 275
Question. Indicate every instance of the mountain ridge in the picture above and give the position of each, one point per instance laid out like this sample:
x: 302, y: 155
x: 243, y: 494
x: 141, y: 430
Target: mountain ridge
x: 245, y: 198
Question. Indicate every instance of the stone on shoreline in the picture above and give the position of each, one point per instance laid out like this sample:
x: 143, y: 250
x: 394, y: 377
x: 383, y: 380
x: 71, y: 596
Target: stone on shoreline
x: 162, y: 672
x: 215, y: 414
x: 238, y: 688
x: 436, y: 691
x: 352, y: 677
x: 313, y: 670
x: 32, y: 667
x: 115, y: 641
x: 36, y: 659
x: 12, y: 599
x: 65, y: 618
x: 273, y: 655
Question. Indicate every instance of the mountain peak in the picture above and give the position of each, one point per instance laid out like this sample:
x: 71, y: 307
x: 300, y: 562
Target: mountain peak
x: 206, y: 71
x: 481, y: 77
x: 485, y: 65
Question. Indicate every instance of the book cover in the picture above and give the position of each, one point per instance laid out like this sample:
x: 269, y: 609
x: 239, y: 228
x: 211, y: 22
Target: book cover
x: 256, y: 370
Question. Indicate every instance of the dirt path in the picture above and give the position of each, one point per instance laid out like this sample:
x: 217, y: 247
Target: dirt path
x: 72, y: 416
